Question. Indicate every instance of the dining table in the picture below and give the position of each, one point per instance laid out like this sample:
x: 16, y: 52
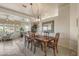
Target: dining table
x: 44, y: 40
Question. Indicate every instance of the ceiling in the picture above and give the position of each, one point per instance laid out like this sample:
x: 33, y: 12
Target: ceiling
x: 44, y: 10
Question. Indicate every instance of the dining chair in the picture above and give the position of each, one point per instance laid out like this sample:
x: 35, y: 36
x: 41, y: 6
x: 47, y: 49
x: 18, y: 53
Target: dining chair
x: 30, y: 39
x: 53, y: 43
x: 37, y: 43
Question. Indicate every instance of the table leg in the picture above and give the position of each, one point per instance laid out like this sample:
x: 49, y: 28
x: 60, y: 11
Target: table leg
x: 45, y: 48
x: 25, y: 46
x: 42, y: 45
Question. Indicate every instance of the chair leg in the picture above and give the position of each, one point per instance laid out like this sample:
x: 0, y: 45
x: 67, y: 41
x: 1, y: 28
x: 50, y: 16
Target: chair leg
x: 34, y: 49
x: 25, y: 43
x: 54, y: 51
x: 28, y: 45
x: 31, y: 45
x: 41, y: 47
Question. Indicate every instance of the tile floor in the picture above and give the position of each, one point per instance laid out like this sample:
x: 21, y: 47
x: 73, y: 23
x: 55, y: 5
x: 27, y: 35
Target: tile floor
x: 16, y: 47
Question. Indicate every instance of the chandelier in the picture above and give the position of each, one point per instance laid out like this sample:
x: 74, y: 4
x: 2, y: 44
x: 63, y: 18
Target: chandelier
x: 37, y: 18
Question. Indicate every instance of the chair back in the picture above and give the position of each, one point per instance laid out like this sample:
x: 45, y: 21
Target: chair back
x: 57, y: 38
x: 33, y: 34
x: 30, y: 34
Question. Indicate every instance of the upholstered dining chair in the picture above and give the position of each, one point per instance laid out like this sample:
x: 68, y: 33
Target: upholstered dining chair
x: 53, y: 43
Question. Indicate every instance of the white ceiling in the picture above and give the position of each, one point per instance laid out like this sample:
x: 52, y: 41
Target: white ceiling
x: 44, y: 10
x: 11, y: 17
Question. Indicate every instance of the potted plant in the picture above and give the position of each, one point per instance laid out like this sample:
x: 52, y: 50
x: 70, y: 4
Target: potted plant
x: 34, y: 28
x: 21, y: 32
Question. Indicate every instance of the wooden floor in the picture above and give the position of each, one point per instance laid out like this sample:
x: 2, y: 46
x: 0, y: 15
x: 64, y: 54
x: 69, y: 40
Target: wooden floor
x: 17, y: 47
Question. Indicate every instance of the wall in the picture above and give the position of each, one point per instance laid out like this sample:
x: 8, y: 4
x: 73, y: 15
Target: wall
x: 65, y: 23
x: 46, y: 20
x: 61, y: 23
x: 77, y: 26
x: 73, y: 27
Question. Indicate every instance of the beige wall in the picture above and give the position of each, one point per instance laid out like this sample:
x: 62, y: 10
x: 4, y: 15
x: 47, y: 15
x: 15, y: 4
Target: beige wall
x: 77, y: 18
x: 73, y: 27
x: 65, y: 23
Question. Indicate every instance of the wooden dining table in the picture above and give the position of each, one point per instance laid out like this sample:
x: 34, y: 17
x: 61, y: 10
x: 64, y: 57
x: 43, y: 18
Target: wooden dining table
x: 44, y: 40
